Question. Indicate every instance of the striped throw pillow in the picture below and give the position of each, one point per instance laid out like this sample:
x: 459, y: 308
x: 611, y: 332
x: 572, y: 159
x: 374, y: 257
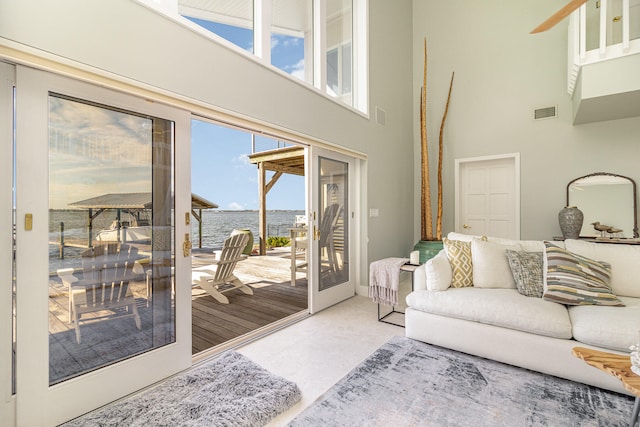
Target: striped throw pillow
x: 576, y: 280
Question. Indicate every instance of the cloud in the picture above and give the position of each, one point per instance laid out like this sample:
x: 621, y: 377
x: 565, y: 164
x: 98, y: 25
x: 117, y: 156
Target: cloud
x: 243, y: 159
x: 236, y: 206
x: 297, y: 70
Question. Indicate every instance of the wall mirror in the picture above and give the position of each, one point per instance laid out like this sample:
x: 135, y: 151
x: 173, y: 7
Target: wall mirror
x: 606, y: 198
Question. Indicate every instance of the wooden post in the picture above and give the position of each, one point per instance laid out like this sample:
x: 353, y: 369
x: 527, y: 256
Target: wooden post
x: 200, y: 228
x: 61, y: 239
x: 262, y: 219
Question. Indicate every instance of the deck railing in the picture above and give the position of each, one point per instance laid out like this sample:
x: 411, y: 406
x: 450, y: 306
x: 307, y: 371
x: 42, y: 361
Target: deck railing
x: 602, y: 30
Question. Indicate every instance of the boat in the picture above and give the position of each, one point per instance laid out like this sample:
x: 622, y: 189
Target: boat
x: 137, y: 230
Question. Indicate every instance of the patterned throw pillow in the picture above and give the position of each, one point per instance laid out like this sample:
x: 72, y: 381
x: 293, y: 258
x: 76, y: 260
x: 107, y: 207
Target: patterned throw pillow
x: 526, y: 268
x: 459, y: 254
x: 576, y: 280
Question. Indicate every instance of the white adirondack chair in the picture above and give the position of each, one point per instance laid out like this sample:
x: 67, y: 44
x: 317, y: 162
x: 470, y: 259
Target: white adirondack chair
x: 218, y: 277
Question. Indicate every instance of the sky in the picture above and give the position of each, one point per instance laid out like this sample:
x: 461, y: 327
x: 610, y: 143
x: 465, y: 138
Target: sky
x: 221, y: 172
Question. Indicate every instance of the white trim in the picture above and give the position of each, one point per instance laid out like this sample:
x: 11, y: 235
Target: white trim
x: 360, y: 53
x: 320, y: 47
x: 7, y: 401
x: 262, y: 30
x: 516, y: 191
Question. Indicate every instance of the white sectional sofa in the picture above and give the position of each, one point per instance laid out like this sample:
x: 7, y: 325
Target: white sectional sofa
x: 495, y: 319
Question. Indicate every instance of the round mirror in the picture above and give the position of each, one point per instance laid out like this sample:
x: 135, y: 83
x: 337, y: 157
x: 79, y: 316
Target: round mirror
x: 607, y: 201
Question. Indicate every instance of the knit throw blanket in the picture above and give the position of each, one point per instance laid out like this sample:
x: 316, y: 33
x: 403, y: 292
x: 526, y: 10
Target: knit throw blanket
x: 384, y: 280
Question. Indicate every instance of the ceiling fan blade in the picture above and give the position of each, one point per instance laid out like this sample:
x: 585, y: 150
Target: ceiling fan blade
x: 558, y: 16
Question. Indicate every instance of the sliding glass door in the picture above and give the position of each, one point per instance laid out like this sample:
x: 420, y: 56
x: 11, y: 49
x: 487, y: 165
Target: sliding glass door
x: 102, y: 200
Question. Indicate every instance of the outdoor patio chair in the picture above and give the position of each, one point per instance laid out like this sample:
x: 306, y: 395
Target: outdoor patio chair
x: 328, y: 225
x: 104, y: 289
x: 218, y: 277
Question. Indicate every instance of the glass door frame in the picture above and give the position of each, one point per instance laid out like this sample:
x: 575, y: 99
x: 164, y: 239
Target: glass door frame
x: 66, y: 400
x: 319, y: 300
x: 7, y: 400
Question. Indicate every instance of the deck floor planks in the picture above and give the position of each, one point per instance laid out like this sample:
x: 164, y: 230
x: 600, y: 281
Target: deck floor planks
x: 214, y: 323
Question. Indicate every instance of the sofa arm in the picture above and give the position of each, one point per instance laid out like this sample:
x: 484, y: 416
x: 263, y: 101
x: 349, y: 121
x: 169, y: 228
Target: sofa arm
x: 420, y: 278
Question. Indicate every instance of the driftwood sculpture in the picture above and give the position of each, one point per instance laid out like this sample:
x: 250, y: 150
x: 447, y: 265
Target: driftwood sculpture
x: 427, y: 215
x: 440, y: 149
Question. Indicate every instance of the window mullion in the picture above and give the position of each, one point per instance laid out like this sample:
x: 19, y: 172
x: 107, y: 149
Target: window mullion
x: 320, y: 44
x: 262, y: 29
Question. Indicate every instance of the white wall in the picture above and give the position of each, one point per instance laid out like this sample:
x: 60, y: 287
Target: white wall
x: 502, y: 74
x: 128, y: 40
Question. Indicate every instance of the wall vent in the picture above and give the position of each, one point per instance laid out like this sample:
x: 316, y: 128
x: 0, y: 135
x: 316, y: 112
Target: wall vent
x: 545, y: 113
x: 381, y: 116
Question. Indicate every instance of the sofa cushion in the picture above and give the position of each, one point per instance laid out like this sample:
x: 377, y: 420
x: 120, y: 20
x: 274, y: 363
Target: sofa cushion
x: 490, y: 265
x: 526, y: 245
x: 610, y: 327
x: 459, y: 255
x: 624, y: 260
x: 575, y: 280
x: 438, y: 272
x: 499, y: 307
x: 526, y: 268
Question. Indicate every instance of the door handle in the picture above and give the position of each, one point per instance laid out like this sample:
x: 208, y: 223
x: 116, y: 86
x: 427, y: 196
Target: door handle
x: 316, y: 233
x: 466, y: 226
x: 186, y: 246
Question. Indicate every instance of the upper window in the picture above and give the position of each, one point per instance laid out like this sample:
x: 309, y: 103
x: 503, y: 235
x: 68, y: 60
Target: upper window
x: 321, y: 42
x: 230, y: 19
x: 339, y: 35
x: 292, y: 37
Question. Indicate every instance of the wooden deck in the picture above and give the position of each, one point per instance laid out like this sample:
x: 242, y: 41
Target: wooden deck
x: 273, y: 299
x: 213, y: 323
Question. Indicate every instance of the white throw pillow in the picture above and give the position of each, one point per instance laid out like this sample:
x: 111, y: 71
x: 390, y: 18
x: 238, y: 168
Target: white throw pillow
x: 624, y: 260
x: 491, y: 265
x: 438, y: 272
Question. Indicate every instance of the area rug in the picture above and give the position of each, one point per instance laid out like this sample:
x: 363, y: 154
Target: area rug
x: 410, y: 383
x: 228, y: 391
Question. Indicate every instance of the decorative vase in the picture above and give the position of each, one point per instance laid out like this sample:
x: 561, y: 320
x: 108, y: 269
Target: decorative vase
x: 570, y: 219
x: 428, y: 249
x: 247, y: 249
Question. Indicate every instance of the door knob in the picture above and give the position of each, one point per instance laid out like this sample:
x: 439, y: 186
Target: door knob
x: 466, y: 226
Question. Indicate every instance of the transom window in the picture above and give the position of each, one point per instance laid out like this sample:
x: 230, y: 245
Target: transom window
x: 320, y: 42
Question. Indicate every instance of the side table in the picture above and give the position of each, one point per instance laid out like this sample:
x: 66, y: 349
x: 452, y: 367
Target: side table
x: 409, y: 268
x: 620, y: 367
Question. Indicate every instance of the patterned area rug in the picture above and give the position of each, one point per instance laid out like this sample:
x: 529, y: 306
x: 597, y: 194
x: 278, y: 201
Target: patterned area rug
x: 410, y: 383
x: 228, y: 391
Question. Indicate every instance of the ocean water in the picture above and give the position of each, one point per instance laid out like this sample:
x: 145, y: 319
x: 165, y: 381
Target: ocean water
x: 217, y: 225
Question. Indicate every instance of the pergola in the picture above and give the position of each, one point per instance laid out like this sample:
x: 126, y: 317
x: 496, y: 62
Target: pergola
x: 133, y: 203
x: 283, y: 160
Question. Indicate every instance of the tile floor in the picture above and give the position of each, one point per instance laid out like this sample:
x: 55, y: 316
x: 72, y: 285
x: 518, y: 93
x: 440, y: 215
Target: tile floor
x: 318, y: 351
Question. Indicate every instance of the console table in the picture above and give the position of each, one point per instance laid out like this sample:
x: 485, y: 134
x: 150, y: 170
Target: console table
x: 620, y: 367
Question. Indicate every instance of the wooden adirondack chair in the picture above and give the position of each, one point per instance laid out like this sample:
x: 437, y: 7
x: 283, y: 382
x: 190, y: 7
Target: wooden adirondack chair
x: 218, y: 277
x: 107, y: 270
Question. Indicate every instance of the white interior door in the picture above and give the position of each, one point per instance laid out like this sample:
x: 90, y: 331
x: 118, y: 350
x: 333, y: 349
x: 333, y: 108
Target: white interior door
x: 96, y: 174
x: 488, y: 196
x: 331, y: 228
